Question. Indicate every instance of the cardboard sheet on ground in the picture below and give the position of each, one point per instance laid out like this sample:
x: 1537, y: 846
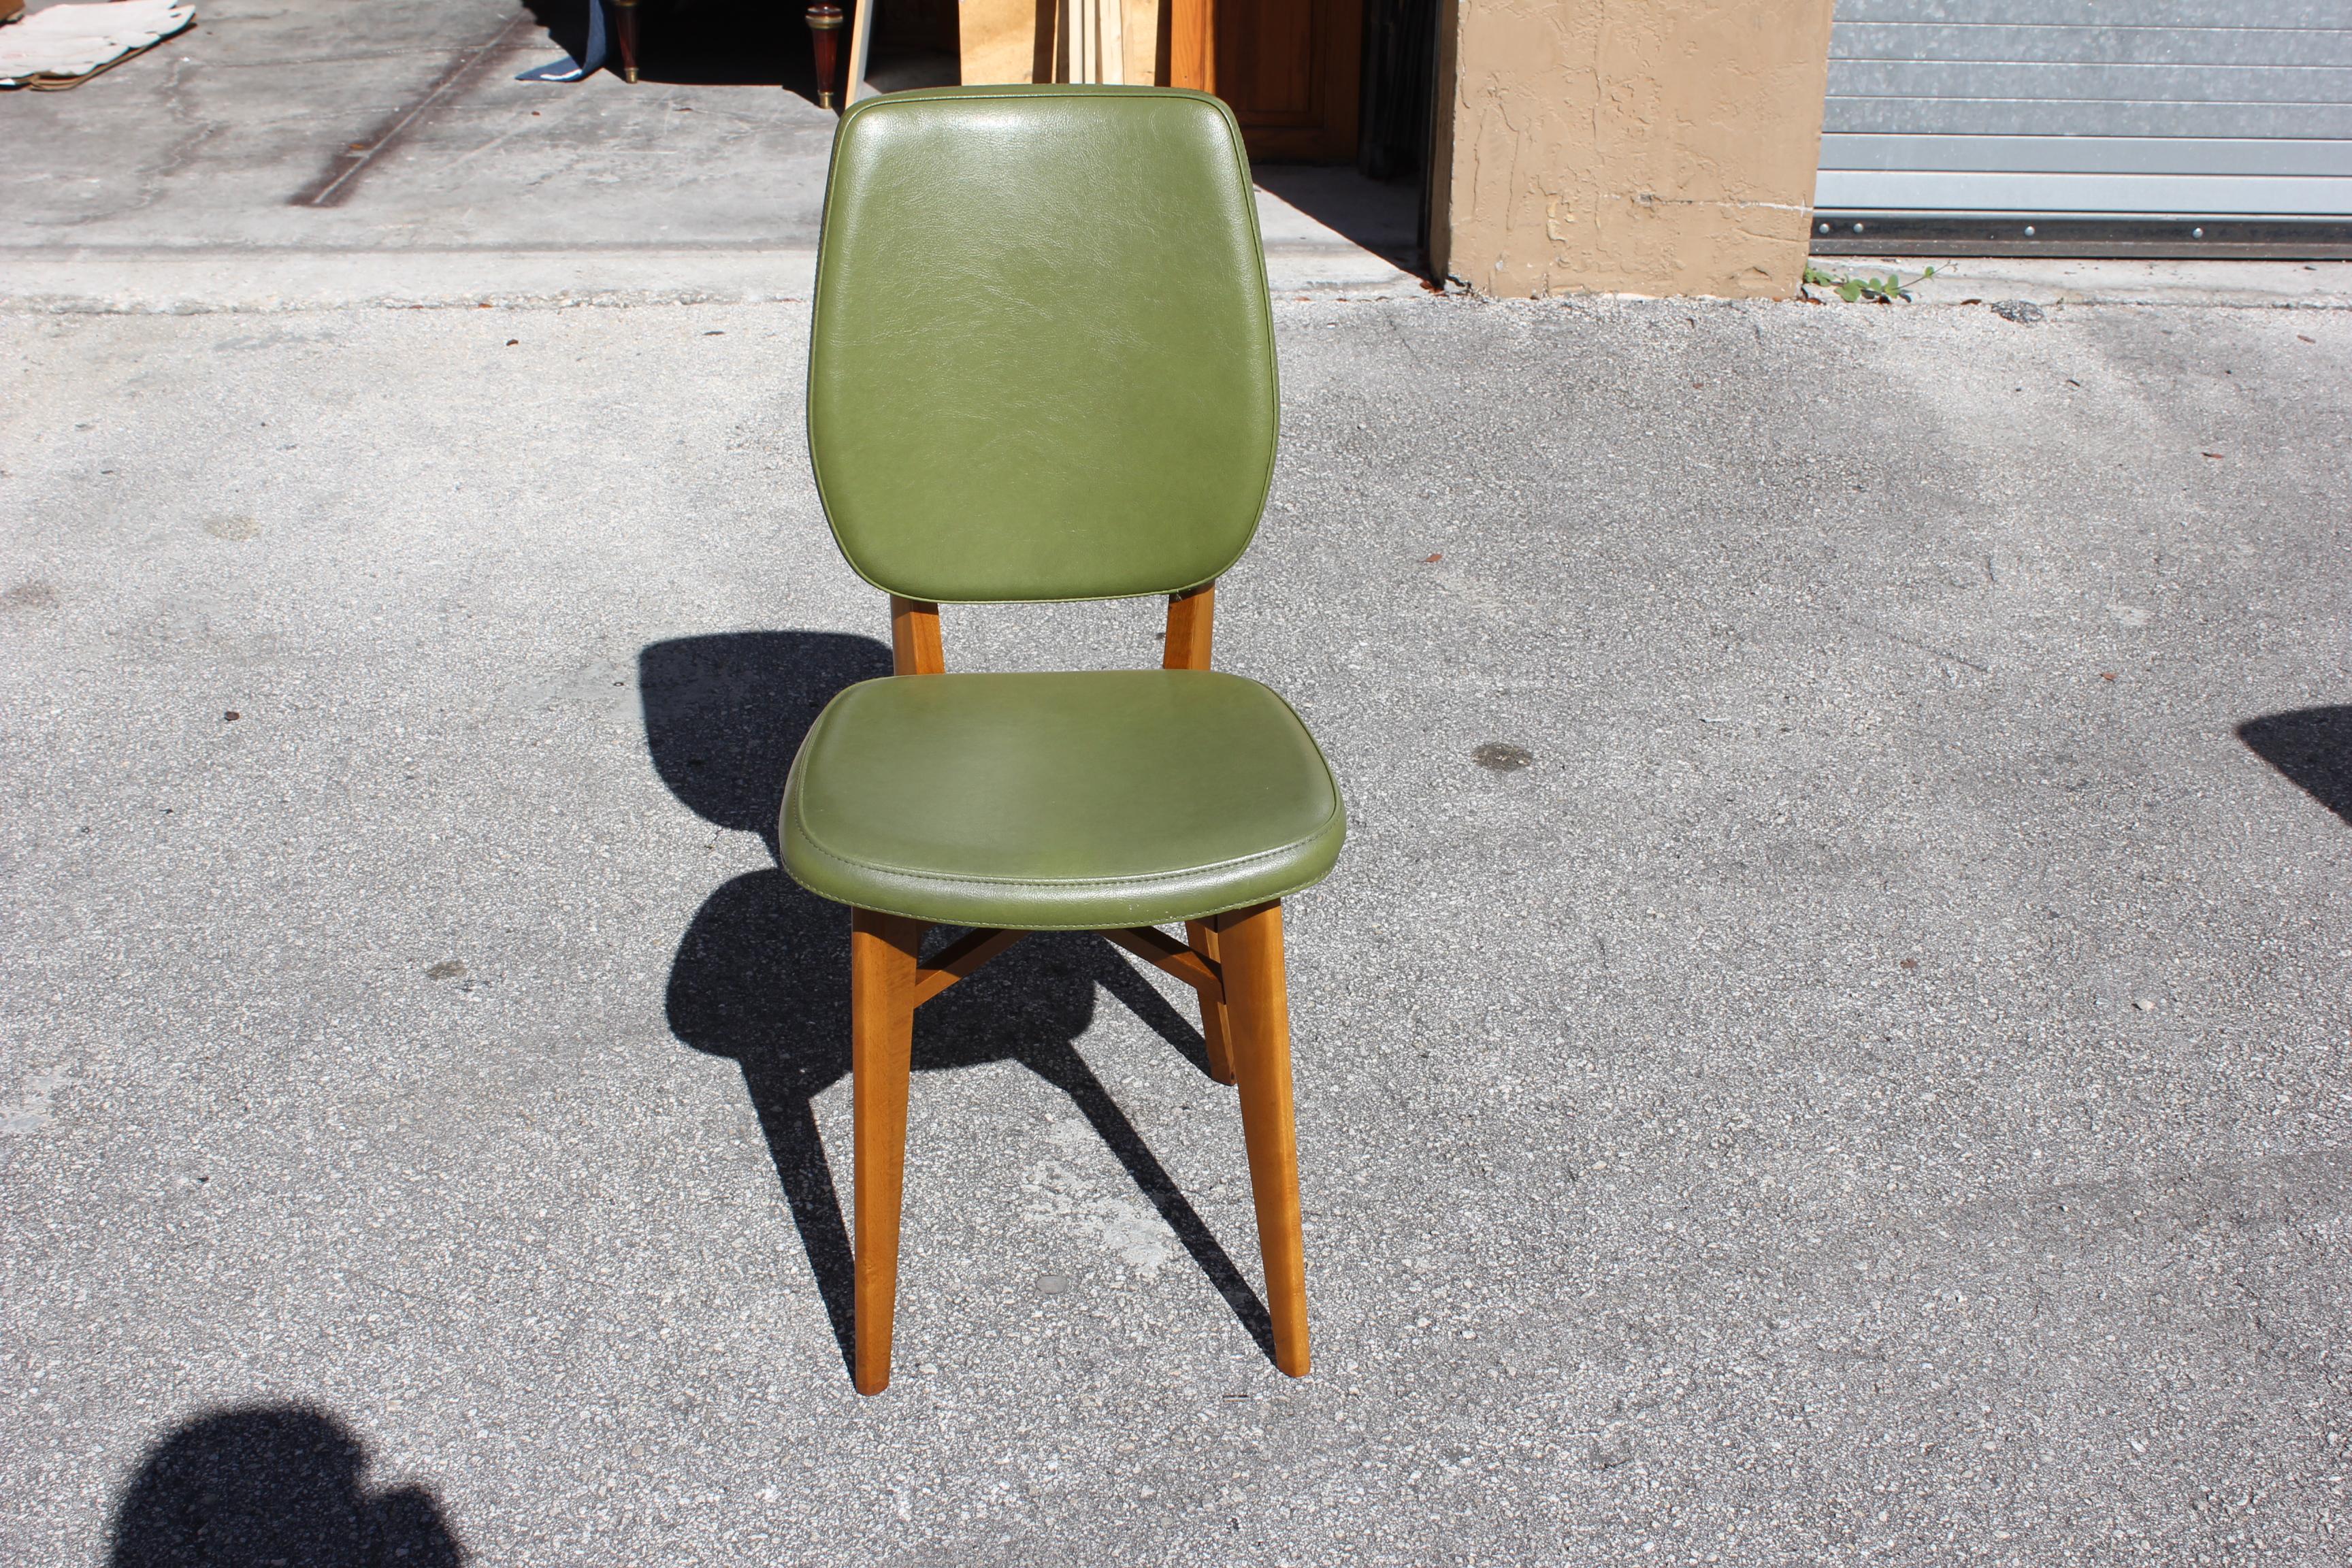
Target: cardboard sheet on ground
x: 66, y: 44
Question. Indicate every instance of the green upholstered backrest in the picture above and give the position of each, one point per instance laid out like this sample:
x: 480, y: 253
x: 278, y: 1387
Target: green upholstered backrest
x: 1041, y: 365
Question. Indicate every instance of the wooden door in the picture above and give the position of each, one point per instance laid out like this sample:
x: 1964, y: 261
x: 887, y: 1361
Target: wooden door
x: 1289, y: 68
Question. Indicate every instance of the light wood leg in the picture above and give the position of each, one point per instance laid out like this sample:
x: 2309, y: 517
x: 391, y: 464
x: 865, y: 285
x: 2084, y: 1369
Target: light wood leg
x: 883, y: 954
x: 1203, y: 935
x: 1258, y: 1033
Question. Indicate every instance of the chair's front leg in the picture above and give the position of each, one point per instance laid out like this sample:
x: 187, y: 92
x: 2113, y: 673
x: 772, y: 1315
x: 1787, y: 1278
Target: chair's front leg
x: 883, y: 954
x: 1257, y: 1017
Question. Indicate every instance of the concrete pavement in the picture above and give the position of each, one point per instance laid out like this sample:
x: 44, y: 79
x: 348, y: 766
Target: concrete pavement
x: 1828, y: 1044
x: 1873, y: 1087
x: 312, y: 153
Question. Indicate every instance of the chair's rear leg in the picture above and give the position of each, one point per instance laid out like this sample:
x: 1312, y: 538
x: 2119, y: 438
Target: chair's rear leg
x: 1202, y: 936
x: 1258, y: 1020
x: 883, y: 954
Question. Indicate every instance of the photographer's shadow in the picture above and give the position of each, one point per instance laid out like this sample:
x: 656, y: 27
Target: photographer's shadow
x: 762, y: 975
x: 262, y: 1486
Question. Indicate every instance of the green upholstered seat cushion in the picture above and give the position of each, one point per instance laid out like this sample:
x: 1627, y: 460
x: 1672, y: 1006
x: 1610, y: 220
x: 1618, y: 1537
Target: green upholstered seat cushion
x: 1047, y: 802
x: 1042, y: 360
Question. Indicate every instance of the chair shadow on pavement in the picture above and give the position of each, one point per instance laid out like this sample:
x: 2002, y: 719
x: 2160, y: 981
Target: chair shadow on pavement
x: 761, y: 976
x: 2313, y: 747
x: 272, y: 1484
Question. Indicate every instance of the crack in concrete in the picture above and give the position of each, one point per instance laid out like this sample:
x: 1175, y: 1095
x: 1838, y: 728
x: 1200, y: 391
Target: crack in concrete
x: 344, y: 171
x: 361, y: 59
x: 178, y: 156
x: 181, y: 153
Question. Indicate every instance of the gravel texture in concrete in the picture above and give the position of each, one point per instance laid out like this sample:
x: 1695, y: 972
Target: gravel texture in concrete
x: 1828, y: 1043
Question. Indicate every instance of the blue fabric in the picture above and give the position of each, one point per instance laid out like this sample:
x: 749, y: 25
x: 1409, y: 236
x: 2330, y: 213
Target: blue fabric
x: 591, y: 57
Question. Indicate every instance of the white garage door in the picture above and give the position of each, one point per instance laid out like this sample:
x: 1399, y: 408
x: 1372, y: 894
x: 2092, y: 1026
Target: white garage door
x: 2136, y: 119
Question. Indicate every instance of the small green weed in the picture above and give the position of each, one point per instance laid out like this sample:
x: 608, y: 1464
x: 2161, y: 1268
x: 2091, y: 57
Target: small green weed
x: 1877, y: 290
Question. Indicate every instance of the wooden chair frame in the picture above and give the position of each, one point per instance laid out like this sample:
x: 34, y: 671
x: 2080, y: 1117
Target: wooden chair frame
x: 1234, y: 961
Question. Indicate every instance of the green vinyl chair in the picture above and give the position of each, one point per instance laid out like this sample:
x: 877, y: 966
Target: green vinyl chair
x: 1042, y: 368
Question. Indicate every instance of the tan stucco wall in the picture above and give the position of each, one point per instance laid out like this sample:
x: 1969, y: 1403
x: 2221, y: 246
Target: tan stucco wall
x: 1627, y: 146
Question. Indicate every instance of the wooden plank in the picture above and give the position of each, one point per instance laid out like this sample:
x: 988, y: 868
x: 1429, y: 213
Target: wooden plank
x: 1192, y: 45
x: 998, y: 40
x: 1192, y: 617
x: 915, y: 646
x: 959, y: 959
x: 861, y: 30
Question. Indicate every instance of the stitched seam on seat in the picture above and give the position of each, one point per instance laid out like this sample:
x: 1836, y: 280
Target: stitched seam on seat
x: 1141, y: 879
x: 810, y: 841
